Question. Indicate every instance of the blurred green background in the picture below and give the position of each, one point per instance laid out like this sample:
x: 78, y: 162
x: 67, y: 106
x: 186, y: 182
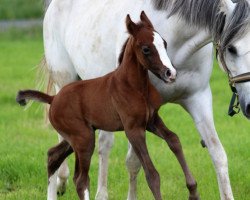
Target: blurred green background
x: 21, y: 9
x: 30, y: 12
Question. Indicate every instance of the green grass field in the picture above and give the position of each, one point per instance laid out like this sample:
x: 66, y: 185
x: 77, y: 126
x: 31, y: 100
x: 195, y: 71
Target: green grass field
x: 21, y: 9
x: 24, y: 140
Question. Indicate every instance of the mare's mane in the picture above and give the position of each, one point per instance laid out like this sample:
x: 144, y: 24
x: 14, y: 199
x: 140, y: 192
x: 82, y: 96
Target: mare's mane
x: 209, y: 14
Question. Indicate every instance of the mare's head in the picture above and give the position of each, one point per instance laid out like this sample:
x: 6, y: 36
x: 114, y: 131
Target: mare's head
x: 235, y: 46
x: 150, y: 49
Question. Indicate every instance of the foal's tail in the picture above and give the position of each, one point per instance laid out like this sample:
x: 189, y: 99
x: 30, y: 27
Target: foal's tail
x: 24, y: 95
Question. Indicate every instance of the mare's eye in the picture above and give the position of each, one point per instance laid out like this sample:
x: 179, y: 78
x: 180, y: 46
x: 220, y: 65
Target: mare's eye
x: 232, y: 50
x: 145, y: 50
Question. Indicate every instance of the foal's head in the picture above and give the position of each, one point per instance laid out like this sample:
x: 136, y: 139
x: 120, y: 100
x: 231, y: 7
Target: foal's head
x: 150, y: 48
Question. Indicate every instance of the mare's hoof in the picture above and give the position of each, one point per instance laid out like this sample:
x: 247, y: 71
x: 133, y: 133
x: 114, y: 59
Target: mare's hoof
x: 61, y: 188
x: 102, y: 194
x: 60, y: 193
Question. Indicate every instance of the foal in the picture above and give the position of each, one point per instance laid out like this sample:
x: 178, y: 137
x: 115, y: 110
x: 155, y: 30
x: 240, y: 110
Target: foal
x: 121, y: 100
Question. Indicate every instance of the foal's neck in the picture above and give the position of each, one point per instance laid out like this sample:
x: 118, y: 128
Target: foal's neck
x: 131, y: 71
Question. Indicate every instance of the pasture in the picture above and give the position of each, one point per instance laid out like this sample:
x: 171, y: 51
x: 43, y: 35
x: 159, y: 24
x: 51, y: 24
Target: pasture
x: 25, y: 139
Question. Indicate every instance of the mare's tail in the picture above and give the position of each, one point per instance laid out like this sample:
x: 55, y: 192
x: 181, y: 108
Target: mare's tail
x: 24, y: 95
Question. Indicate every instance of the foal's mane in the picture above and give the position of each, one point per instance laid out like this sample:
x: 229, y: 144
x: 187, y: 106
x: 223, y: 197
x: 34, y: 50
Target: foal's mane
x: 122, y: 51
x: 209, y: 14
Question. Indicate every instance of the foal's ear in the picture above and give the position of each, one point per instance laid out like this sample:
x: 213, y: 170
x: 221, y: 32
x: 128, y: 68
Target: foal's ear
x: 131, y: 26
x: 146, y: 20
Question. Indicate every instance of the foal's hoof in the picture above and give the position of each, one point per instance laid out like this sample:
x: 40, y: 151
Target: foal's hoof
x: 194, y: 197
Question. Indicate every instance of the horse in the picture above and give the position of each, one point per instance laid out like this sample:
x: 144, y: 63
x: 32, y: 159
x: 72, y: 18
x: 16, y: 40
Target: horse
x: 190, y: 28
x: 121, y: 100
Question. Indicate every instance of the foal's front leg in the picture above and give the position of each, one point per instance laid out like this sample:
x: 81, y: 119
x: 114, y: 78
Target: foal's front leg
x: 159, y: 128
x: 136, y: 138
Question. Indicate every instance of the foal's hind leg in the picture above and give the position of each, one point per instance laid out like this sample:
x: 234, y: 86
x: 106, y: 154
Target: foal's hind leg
x: 83, y: 145
x: 136, y: 138
x: 58, y: 180
x: 56, y: 156
x: 158, y: 128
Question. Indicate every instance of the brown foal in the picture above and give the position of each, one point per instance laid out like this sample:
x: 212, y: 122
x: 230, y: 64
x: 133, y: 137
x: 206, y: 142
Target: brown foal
x: 121, y: 100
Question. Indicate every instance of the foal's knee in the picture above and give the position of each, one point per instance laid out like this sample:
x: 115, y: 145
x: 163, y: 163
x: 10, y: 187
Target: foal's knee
x: 174, y: 143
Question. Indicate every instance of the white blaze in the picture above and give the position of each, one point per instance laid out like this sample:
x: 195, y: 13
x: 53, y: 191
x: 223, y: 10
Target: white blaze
x: 159, y: 45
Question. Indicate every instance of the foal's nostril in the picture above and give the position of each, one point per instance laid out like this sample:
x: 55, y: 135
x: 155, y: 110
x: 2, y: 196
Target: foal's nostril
x: 168, y: 73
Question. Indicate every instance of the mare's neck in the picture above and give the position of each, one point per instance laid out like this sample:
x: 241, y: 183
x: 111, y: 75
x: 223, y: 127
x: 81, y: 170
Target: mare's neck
x: 185, y: 37
x: 131, y: 71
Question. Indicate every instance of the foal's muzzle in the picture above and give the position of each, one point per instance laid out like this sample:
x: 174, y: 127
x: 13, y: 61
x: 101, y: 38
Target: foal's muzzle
x: 169, y: 75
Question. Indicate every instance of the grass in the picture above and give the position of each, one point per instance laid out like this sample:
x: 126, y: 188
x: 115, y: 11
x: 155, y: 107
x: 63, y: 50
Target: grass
x: 24, y: 140
x: 21, y: 9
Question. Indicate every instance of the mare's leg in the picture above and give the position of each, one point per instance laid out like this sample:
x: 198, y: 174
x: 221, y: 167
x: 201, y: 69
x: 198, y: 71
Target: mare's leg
x: 200, y: 108
x: 133, y: 166
x: 61, y: 179
x: 106, y: 140
x: 62, y: 72
x: 83, y: 144
x: 136, y: 138
x: 158, y: 128
x: 56, y: 156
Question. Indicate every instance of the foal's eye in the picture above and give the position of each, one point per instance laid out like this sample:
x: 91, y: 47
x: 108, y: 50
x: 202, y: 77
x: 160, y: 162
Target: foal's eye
x: 145, y: 50
x: 232, y: 50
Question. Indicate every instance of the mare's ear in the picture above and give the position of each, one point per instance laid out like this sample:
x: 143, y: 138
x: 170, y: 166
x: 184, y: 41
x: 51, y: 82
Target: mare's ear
x: 146, y: 20
x: 131, y: 26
